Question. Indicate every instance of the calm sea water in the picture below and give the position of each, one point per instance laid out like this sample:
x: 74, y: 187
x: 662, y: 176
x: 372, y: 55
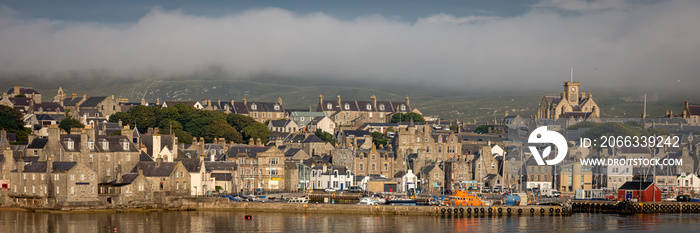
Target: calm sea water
x: 210, y: 221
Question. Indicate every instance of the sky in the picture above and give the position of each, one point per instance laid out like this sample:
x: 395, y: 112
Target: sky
x: 492, y: 45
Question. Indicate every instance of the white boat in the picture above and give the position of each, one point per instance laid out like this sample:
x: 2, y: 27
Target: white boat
x: 371, y: 201
x: 301, y: 200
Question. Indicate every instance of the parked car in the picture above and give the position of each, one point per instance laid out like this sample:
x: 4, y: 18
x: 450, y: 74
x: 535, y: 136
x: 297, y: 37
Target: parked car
x: 485, y: 190
x: 497, y: 189
x: 259, y: 191
x: 550, y: 193
x: 356, y: 189
x: 330, y: 190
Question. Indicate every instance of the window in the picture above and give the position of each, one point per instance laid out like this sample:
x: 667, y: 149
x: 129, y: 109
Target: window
x: 347, y: 106
x: 105, y: 144
x: 69, y: 144
x: 33, y: 189
x: 437, y: 175
x: 70, y: 157
x: 274, y: 161
x: 386, y: 167
x: 58, y: 191
x: 91, y: 158
x: 140, y: 186
x: 72, y: 177
x: 381, y: 107
x: 427, y: 150
x: 254, y: 106
x: 255, y: 114
x: 42, y: 176
x: 362, y: 167
x: 373, y: 167
x: 125, y: 145
x: 55, y: 177
x: 33, y: 176
x: 177, y: 186
x: 107, y: 157
x: 263, y: 115
x: 82, y: 176
x: 91, y: 145
x: 72, y: 190
x: 403, y: 107
x: 369, y: 107
x: 277, y: 107
x: 128, y: 158
x: 329, y: 106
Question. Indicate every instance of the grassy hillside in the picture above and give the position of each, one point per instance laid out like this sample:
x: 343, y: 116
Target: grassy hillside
x: 302, y: 93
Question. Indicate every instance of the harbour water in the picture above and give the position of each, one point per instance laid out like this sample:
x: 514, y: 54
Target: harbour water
x: 220, y: 221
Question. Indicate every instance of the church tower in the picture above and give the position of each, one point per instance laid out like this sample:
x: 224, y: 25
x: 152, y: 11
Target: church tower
x: 571, y: 92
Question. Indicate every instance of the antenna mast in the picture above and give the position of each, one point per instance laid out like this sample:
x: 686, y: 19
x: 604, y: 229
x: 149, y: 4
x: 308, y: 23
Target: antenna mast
x: 572, y: 74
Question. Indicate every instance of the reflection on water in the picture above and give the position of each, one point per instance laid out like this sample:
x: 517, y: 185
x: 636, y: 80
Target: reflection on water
x: 210, y: 221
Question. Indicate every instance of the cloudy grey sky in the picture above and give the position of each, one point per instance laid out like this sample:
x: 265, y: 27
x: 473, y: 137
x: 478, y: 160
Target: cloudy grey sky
x: 647, y: 44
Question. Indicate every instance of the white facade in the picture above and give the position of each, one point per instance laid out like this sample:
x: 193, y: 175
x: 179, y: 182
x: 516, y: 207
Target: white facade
x: 325, y: 124
x: 539, y: 184
x: 335, y: 177
x: 688, y: 182
x: 618, y: 175
x: 408, y: 181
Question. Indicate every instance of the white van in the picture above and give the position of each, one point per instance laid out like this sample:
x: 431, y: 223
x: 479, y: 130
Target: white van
x: 550, y: 193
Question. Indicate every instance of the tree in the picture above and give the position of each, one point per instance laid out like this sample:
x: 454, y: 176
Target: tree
x: 406, y: 117
x: 325, y: 136
x: 483, y: 129
x: 379, y: 139
x: 239, y: 121
x: 454, y: 128
x: 143, y: 117
x: 219, y: 129
x: 255, y: 131
x: 10, y: 118
x: 69, y: 123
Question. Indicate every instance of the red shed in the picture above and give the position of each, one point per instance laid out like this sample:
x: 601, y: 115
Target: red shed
x: 642, y: 191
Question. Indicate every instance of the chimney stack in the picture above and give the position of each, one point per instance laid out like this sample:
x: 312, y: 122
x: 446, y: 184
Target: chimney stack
x: 159, y: 161
x: 49, y: 164
x: 279, y: 100
x: 339, y: 100
x: 143, y: 102
x: 16, y: 91
x: 245, y: 102
x: 251, y: 142
x: 408, y: 102
x: 84, y: 96
x: 320, y: 99
x: 374, y: 101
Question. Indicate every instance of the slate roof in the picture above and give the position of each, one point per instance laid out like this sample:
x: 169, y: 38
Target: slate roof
x: 71, y: 101
x: 251, y: 151
x: 219, y: 166
x: 355, y: 133
x: 312, y: 139
x: 173, y: 103
x: 296, y: 138
x: 93, y: 101
x: 143, y: 157
x: 192, y: 165
x: 50, y: 117
x: 151, y: 170
x: 49, y: 107
x: 127, y: 179
x: 693, y: 109
x: 635, y: 185
x: 38, y: 143
x: 291, y: 152
x: 166, y: 141
x: 41, y: 166
x: 222, y: 176
x: 342, y: 170
x: 23, y: 90
x: 279, y: 123
x: 278, y: 135
x: 264, y: 107
x: 583, y: 115
x: 20, y: 101
x: 240, y: 108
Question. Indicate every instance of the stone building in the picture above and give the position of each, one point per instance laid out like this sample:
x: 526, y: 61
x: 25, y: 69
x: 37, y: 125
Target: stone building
x: 258, y: 167
x: 131, y: 189
x: 571, y: 104
x: 429, y: 146
x: 66, y: 183
x: 374, y: 161
x: 357, y: 112
x: 432, y: 178
x: 28, y: 92
x: 170, y: 178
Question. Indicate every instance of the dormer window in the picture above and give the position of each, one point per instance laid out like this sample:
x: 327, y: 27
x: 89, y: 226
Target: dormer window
x: 70, y: 144
x: 254, y: 107
x: 329, y: 106
x: 125, y: 144
x: 105, y: 144
x: 91, y: 144
x: 347, y: 106
x: 277, y: 107
x: 381, y: 107
x: 369, y: 107
x: 403, y: 107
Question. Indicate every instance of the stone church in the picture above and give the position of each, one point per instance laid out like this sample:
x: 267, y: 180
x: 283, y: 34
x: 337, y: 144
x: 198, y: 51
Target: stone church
x: 570, y: 104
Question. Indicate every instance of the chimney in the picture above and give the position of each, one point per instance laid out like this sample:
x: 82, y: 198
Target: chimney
x: 16, y: 91
x: 338, y: 100
x: 201, y: 145
x: 222, y: 143
x: 245, y: 102
x: 84, y: 96
x: 158, y: 101
x: 563, y: 96
x: 320, y: 99
x: 310, y: 109
x: 49, y: 163
x: 91, y: 132
x: 408, y: 102
x: 54, y: 133
x: 279, y: 100
x: 251, y: 142
x: 8, y: 154
x: 111, y: 96
x: 583, y: 95
x: 20, y: 164
x: 73, y: 96
x: 143, y: 102
x: 259, y: 142
x: 208, y: 102
x: 218, y: 103
x: 159, y: 161
x: 374, y: 102
x: 83, y: 141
